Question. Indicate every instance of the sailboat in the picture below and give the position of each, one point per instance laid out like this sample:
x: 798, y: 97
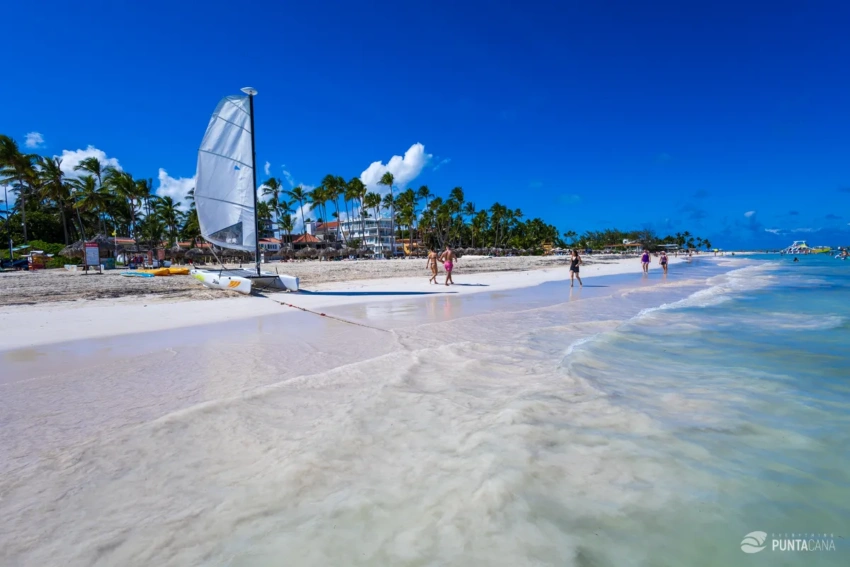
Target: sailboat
x: 226, y: 195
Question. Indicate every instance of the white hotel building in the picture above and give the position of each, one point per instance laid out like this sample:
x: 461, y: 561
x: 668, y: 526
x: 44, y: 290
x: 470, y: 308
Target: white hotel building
x: 366, y: 231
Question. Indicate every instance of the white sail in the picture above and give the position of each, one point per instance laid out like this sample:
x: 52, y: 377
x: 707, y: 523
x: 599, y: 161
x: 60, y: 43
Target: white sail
x: 224, y: 185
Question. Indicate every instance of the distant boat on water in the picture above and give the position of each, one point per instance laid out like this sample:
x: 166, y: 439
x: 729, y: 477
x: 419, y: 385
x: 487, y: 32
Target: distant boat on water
x: 802, y: 247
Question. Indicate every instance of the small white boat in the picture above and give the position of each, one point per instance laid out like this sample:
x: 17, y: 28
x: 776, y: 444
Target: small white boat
x: 217, y: 280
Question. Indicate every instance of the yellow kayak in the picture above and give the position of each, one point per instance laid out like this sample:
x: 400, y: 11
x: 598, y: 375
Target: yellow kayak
x: 178, y: 271
x: 157, y: 272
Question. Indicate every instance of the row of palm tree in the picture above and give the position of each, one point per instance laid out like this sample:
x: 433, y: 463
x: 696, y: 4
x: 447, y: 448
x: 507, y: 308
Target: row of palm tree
x: 100, y: 199
x: 103, y: 199
x: 599, y: 239
x: 414, y: 214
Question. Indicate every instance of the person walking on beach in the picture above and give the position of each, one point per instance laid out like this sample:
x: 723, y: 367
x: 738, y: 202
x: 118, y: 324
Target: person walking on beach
x: 575, y: 260
x: 448, y: 259
x: 432, y: 265
x: 644, y: 261
x: 663, y: 261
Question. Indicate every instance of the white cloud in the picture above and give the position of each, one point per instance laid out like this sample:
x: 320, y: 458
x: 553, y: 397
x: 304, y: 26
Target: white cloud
x: 34, y: 140
x: 288, y: 177
x: 268, y: 168
x: 748, y: 214
x: 805, y: 230
x: 72, y: 158
x: 176, y: 188
x: 404, y: 169
x: 774, y: 230
x: 441, y: 163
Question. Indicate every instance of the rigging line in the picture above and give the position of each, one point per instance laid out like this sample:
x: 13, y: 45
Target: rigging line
x: 228, y: 158
x: 329, y: 316
x: 226, y: 121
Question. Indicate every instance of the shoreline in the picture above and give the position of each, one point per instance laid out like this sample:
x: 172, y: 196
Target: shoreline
x: 40, y: 324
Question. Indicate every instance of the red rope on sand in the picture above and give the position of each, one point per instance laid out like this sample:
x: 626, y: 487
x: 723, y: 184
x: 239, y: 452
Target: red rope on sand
x: 329, y: 316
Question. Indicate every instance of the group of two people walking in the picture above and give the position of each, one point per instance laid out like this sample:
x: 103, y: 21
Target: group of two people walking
x: 448, y: 259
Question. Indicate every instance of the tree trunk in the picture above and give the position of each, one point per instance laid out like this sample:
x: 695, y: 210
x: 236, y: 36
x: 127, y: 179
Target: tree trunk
x: 339, y: 222
x: 23, y: 196
x: 378, y: 230
x: 347, y: 219
x: 80, y: 220
x: 64, y: 221
x: 392, y: 223
x: 362, y: 222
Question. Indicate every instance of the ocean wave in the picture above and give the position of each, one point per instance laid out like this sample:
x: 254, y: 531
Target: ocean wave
x: 722, y: 288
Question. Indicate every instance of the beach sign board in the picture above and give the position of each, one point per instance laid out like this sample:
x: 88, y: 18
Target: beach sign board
x: 92, y: 254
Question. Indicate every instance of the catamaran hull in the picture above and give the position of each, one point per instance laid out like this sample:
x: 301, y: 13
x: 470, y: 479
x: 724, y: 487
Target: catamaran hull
x: 215, y: 280
x: 265, y: 280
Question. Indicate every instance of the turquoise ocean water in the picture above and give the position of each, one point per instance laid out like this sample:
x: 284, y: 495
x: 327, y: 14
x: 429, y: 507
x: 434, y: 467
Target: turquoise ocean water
x: 749, y: 382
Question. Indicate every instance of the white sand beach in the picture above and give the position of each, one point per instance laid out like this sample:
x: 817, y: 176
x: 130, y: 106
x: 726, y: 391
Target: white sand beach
x: 110, y: 305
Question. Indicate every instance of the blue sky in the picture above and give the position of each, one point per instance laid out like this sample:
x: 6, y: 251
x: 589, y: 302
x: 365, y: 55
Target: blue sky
x: 731, y: 120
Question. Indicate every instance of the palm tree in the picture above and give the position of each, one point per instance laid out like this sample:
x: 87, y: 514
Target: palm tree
x: 319, y: 198
x: 170, y: 214
x: 55, y: 188
x: 373, y: 201
x: 272, y: 187
x: 479, y: 224
x: 358, y: 191
x: 300, y: 195
x: 469, y: 211
x: 389, y: 205
x: 387, y: 180
x: 284, y: 211
x: 91, y: 198
x: 423, y: 193
x: 342, y: 188
x: 334, y: 189
x: 93, y: 166
x: 287, y: 223
x: 122, y: 184
x: 16, y: 169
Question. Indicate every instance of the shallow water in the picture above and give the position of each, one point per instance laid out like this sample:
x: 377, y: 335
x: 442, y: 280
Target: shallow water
x: 641, y: 422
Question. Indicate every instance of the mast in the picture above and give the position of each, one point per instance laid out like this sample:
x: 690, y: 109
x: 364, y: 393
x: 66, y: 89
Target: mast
x: 251, y: 92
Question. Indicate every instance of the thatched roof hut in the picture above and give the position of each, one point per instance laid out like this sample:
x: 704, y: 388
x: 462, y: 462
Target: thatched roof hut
x: 106, y: 245
x: 196, y: 253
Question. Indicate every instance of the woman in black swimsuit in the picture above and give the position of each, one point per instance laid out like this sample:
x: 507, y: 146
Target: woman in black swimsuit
x: 575, y: 260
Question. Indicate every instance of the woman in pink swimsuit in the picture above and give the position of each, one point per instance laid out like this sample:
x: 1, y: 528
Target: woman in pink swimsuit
x: 447, y: 258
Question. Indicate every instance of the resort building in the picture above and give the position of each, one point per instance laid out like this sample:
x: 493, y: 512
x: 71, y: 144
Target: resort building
x: 270, y: 245
x: 366, y: 231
